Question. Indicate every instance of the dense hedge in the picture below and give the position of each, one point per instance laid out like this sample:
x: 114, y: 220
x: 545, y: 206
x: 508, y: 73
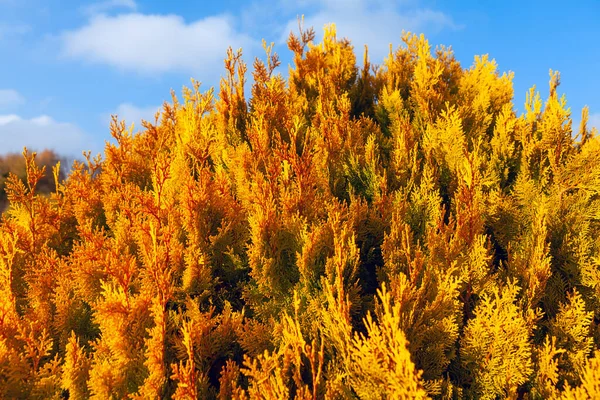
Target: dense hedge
x: 349, y: 232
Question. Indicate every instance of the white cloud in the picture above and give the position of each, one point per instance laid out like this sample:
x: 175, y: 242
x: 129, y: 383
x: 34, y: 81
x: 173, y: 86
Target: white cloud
x: 40, y: 133
x: 374, y: 23
x: 156, y: 43
x: 7, y: 119
x: 108, y: 5
x: 10, y: 98
x: 133, y: 114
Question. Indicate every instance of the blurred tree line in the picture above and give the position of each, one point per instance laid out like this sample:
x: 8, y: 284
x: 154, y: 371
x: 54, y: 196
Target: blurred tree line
x: 15, y: 163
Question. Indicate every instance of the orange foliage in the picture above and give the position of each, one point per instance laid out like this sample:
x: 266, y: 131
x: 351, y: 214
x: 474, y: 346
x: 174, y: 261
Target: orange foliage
x: 349, y: 232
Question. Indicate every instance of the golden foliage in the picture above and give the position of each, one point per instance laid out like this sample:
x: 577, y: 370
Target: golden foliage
x: 374, y: 232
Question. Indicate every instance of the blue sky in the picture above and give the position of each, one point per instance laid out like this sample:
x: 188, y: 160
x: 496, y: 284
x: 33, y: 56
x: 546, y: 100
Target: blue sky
x: 66, y: 66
